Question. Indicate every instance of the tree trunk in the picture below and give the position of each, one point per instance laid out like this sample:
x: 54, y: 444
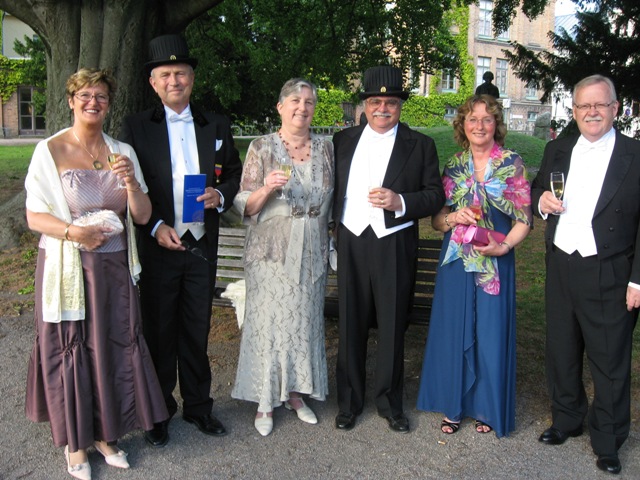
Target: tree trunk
x: 110, y: 34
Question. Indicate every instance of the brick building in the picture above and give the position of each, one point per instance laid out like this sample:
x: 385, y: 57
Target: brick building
x: 521, y: 103
x: 18, y: 117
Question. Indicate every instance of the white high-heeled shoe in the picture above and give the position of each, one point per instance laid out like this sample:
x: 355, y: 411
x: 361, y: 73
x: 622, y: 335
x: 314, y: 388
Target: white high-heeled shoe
x: 118, y: 460
x: 304, y: 412
x: 82, y: 471
x: 264, y: 424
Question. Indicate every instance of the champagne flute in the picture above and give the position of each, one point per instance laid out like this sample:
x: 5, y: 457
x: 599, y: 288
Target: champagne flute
x: 557, y: 184
x: 286, y: 166
x: 112, y: 159
x: 374, y: 184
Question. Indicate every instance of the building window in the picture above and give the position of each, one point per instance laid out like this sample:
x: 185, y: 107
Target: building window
x: 483, y: 65
x: 31, y: 121
x: 501, y: 75
x: 532, y: 116
x: 448, y: 81
x: 450, y: 112
x: 485, y: 25
x: 530, y: 91
x: 484, y: 21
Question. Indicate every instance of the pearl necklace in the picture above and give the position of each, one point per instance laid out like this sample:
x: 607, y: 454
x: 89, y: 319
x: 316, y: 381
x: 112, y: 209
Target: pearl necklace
x: 97, y: 164
x: 301, y: 148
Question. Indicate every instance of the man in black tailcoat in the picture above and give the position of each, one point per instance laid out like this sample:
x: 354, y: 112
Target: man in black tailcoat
x: 593, y: 272
x: 387, y: 178
x: 179, y: 258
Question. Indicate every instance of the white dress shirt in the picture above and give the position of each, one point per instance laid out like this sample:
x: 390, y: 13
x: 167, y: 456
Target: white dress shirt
x: 589, y: 163
x: 368, y: 168
x: 184, y: 161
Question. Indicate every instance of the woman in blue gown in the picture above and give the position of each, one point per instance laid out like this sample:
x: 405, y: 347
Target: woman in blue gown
x: 469, y: 367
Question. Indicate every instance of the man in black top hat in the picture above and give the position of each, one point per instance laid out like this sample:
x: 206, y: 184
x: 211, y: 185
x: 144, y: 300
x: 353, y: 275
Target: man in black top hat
x: 178, y: 256
x: 488, y: 88
x: 387, y: 178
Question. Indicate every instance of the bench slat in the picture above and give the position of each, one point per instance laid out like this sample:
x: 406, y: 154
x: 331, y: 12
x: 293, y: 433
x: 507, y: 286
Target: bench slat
x: 231, y: 269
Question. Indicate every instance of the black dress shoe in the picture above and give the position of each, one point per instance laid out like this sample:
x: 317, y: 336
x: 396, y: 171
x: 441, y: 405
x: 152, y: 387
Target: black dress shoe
x: 345, y: 421
x: 207, y: 424
x: 159, y: 435
x: 609, y: 463
x: 553, y: 436
x: 398, y: 423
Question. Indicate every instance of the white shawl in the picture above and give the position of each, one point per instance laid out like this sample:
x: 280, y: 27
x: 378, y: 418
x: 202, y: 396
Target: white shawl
x: 62, y: 282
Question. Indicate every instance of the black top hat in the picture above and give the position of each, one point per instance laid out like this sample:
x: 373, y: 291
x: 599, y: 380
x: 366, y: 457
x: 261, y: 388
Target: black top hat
x: 166, y: 50
x: 383, y: 81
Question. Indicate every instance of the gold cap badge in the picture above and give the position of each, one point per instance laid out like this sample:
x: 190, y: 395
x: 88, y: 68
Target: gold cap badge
x: 383, y: 89
x: 172, y: 57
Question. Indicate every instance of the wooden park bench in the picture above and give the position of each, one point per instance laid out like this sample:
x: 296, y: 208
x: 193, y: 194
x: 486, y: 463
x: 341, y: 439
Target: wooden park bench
x: 231, y: 269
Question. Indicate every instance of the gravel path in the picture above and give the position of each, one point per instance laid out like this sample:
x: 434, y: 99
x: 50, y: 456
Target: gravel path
x: 296, y: 450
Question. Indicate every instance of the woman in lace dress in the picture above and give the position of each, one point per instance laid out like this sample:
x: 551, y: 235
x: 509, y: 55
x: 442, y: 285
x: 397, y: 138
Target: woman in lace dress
x: 90, y: 374
x: 282, y: 354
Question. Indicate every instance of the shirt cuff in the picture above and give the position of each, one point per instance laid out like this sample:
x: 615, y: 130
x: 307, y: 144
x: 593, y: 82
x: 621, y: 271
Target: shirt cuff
x: 542, y: 215
x: 634, y: 285
x: 221, y: 206
x: 401, y: 213
x: 155, y: 229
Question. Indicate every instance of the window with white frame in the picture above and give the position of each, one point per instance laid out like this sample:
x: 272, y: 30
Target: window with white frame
x: 448, y: 81
x: 532, y: 116
x: 501, y: 75
x: 484, y: 20
x: 482, y: 65
x: 530, y: 91
x: 485, y: 23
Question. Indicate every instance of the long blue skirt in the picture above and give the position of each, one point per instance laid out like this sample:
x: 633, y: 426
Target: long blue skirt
x: 469, y: 367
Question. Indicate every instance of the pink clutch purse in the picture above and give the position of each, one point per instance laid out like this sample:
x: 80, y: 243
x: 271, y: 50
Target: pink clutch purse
x: 476, y: 235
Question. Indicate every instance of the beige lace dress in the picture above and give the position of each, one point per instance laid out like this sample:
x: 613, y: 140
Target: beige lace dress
x: 282, y: 347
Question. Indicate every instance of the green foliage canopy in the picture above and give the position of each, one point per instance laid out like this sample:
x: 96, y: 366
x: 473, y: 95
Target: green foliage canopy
x: 248, y: 48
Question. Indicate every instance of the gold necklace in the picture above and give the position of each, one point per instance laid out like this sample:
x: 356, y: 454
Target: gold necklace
x: 97, y: 164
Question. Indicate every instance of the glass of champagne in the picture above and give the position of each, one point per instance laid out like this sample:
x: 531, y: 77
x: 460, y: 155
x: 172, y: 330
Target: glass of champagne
x: 374, y: 184
x: 557, y: 184
x: 477, y: 211
x: 287, y: 167
x: 112, y: 159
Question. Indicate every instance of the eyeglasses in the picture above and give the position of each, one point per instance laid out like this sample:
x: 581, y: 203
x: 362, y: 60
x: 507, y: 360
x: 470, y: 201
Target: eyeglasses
x: 487, y: 121
x: 585, y: 107
x: 197, y: 252
x: 391, y: 103
x: 86, y: 97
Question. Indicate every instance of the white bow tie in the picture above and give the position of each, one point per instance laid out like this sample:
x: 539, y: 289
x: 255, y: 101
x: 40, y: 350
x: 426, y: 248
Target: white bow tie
x: 585, y: 146
x: 183, y: 117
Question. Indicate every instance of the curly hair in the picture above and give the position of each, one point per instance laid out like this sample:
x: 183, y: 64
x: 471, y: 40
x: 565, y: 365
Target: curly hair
x: 493, y: 108
x: 90, y: 77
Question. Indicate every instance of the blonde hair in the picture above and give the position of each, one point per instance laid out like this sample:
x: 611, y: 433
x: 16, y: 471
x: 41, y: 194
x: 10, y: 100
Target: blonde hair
x: 90, y: 77
x: 493, y: 107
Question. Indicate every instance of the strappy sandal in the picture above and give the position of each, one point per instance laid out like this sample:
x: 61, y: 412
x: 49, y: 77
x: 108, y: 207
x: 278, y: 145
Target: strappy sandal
x: 454, y: 426
x: 480, y: 425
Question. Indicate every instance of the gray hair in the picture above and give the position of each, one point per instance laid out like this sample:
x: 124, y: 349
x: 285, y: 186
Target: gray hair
x: 592, y: 80
x: 295, y: 85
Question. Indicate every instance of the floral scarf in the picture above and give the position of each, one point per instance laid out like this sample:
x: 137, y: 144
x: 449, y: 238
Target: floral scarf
x: 505, y: 188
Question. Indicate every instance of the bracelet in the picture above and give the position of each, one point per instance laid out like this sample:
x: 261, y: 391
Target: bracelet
x: 446, y: 220
x: 507, y: 245
x: 135, y: 189
x: 66, y: 233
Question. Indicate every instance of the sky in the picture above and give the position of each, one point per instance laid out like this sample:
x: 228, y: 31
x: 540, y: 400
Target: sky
x: 565, y: 7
